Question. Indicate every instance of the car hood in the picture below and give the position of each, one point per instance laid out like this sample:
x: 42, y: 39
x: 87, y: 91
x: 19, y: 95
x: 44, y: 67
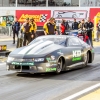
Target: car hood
x: 36, y: 49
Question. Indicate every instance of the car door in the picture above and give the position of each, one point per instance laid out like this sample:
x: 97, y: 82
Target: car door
x: 76, y: 51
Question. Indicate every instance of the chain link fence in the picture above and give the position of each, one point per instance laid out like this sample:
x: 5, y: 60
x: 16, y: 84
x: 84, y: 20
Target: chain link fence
x: 6, y: 30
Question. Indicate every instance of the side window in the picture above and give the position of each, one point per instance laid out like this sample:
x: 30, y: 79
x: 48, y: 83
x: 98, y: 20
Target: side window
x: 83, y: 43
x: 74, y: 42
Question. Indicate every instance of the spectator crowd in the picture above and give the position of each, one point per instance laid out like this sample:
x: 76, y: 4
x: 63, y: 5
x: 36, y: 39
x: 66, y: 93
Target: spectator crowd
x: 29, y: 28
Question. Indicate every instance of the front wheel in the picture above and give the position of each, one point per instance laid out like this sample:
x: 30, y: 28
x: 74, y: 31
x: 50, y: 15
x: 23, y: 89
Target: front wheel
x: 59, y: 66
x: 86, y: 59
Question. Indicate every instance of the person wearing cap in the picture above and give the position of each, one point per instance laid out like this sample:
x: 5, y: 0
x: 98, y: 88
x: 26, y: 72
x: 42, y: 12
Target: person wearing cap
x: 98, y: 31
x: 75, y: 25
x: 89, y: 26
x: 62, y: 27
x: 27, y: 29
x: 32, y: 22
x: 50, y: 27
x: 81, y: 25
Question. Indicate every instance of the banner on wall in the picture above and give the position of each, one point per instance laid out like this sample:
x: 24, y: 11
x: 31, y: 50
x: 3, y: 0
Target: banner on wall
x: 40, y: 16
x: 69, y: 15
x: 94, y: 12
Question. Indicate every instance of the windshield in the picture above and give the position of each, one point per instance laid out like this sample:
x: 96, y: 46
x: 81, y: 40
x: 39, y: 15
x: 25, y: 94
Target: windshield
x: 56, y: 40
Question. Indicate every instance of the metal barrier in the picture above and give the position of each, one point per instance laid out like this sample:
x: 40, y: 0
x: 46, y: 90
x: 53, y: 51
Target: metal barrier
x: 6, y: 30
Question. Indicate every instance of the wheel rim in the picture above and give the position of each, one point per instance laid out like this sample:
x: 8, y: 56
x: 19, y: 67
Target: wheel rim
x: 86, y: 56
x: 59, y: 67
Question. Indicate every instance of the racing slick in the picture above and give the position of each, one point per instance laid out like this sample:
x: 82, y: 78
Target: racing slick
x: 50, y: 27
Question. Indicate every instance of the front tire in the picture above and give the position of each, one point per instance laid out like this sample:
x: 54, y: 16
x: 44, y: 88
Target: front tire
x: 86, y: 59
x: 59, y: 66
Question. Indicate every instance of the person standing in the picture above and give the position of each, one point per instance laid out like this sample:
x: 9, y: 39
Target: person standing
x: 27, y: 30
x: 98, y: 31
x: 50, y: 27
x: 15, y: 29
x: 32, y: 22
x: 89, y: 26
x: 81, y: 25
x: 62, y: 27
x: 75, y: 25
x: 66, y: 25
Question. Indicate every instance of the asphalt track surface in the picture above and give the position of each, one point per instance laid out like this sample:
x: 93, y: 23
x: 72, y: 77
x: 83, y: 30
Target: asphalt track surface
x: 48, y: 86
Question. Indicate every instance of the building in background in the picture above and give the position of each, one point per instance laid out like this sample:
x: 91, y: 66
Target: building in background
x: 89, y: 3
x: 38, y: 3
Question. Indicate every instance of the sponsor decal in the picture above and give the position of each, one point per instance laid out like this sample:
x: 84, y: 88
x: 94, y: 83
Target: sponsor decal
x: 22, y: 63
x: 3, y: 47
x: 69, y: 15
x: 50, y: 69
x: 50, y: 60
x: 94, y: 12
x: 77, y: 55
x: 40, y: 16
x: 76, y: 59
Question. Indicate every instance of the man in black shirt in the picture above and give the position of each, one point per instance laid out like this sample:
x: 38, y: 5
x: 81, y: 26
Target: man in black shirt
x: 50, y: 27
x: 89, y: 26
x: 15, y: 29
x: 75, y: 25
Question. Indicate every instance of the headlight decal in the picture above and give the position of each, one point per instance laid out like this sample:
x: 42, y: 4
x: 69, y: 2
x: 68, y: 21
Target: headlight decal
x: 50, y: 69
x: 10, y: 59
x: 38, y: 59
x: 23, y: 63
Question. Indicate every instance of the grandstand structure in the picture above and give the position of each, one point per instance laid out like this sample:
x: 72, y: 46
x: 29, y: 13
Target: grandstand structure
x: 38, y: 3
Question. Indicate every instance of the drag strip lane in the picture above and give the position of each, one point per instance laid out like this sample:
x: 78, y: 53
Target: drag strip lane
x: 47, y: 86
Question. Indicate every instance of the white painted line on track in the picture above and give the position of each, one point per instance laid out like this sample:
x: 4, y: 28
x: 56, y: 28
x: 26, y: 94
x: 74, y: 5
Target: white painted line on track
x: 82, y: 92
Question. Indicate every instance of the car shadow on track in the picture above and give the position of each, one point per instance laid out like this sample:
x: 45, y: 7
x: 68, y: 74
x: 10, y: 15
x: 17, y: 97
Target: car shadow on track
x: 72, y: 75
x: 49, y: 74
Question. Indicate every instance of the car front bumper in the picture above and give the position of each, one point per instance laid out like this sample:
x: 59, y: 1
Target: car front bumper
x: 36, y: 68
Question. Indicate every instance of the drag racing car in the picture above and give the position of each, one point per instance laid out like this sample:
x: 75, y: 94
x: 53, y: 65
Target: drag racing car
x: 51, y: 53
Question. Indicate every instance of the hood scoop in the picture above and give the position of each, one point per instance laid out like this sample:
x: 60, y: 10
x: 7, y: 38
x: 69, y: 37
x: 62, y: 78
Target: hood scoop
x: 40, y: 47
